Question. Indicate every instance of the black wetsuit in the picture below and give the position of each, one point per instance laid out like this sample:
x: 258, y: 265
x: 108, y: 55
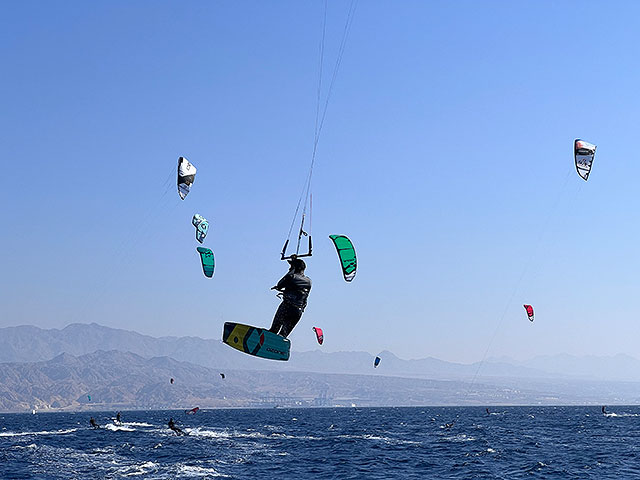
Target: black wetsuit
x: 93, y: 423
x: 173, y: 427
x: 118, y: 417
x: 295, y: 289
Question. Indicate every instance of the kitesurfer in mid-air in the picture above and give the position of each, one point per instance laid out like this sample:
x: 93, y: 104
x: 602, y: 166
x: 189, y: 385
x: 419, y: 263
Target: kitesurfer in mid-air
x: 93, y: 423
x: 295, y: 287
x: 172, y: 426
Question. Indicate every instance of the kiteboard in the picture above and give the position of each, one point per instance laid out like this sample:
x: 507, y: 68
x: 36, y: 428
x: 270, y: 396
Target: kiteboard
x: 256, y: 341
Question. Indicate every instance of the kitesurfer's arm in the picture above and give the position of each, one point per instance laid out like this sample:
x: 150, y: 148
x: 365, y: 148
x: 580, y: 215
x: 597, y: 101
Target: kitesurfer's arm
x: 283, y: 283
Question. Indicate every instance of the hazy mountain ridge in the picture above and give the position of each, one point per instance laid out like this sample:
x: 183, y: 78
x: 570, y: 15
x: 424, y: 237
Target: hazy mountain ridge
x: 116, y: 379
x: 32, y: 344
x: 121, y: 380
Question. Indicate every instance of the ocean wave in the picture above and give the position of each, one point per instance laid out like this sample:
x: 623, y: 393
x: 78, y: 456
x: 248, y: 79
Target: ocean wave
x: 25, y: 447
x: 380, y: 438
x: 118, y: 428
x: 460, y: 438
x: 43, y: 432
x: 194, y: 471
x: 136, y: 470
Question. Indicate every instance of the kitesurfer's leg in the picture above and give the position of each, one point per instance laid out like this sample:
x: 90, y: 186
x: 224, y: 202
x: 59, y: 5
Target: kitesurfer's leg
x: 278, y: 318
x: 293, y: 317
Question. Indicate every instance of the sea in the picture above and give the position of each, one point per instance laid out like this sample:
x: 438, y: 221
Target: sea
x: 327, y: 443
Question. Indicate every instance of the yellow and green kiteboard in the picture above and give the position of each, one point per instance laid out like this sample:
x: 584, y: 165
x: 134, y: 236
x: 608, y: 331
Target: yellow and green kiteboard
x: 255, y: 341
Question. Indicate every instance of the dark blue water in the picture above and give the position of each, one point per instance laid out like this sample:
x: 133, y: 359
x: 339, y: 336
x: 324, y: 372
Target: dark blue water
x: 372, y: 443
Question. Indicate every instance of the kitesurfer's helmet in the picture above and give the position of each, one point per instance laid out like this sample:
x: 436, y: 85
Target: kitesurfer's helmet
x: 298, y: 265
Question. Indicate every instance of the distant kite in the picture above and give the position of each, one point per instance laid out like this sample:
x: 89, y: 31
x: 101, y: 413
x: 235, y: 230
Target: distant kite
x: 172, y: 381
x: 186, y: 177
x: 207, y: 260
x: 222, y: 375
x: 584, y: 153
x: 202, y: 227
x: 376, y: 362
x: 529, y: 310
x: 319, y: 334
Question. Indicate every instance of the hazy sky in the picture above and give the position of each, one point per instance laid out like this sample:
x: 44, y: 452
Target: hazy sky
x: 446, y: 156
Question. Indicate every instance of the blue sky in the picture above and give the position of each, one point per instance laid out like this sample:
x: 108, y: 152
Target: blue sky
x: 446, y: 156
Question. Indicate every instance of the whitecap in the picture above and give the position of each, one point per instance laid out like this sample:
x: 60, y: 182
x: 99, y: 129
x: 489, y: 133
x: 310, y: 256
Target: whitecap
x: 460, y: 438
x: 118, y: 428
x: 199, y: 432
x: 44, y: 432
x: 136, y: 470
x: 21, y: 447
x: 292, y: 437
x: 193, y: 471
x: 380, y: 438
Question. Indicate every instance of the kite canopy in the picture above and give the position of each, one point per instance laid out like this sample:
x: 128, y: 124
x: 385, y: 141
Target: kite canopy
x: 202, y: 227
x: 376, y: 362
x: 347, y: 256
x: 584, y: 153
x: 186, y: 177
x: 192, y: 411
x: 208, y: 262
x: 172, y: 381
x: 222, y: 375
x: 319, y: 334
x: 529, y: 310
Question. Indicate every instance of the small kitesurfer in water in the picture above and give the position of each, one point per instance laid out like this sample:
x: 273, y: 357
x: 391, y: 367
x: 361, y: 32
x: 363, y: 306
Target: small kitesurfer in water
x: 172, y: 426
x: 487, y: 411
x: 295, y: 287
x: 93, y: 423
x: 118, y: 417
x: 604, y: 409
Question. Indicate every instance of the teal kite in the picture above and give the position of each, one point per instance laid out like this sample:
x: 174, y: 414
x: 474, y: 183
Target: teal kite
x: 347, y: 255
x: 202, y: 227
x: 208, y: 262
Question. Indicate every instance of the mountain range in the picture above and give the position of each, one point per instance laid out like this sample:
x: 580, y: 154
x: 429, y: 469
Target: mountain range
x: 33, y: 344
x: 89, y: 366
